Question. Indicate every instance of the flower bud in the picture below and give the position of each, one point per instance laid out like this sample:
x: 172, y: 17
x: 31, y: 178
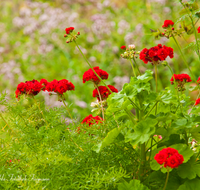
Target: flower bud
x: 65, y: 35
x: 67, y: 41
x: 131, y: 47
x: 78, y: 33
x: 164, y: 63
x: 173, y: 28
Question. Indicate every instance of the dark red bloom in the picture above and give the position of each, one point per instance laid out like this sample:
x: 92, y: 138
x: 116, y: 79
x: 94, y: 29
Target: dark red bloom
x: 198, y: 80
x: 168, y: 23
x: 91, y: 76
x: 90, y: 120
x: 181, y: 78
x: 169, y: 157
x: 155, y: 54
x: 69, y: 30
x: 198, y: 29
x: 31, y: 88
x: 197, y: 101
x: 104, y: 92
x: 60, y: 86
x: 44, y: 83
x: 123, y: 47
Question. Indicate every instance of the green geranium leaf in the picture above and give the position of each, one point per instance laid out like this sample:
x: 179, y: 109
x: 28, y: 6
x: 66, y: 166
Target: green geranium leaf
x: 193, y: 184
x: 147, y: 76
x: 190, y: 169
x: 142, y: 131
x: 132, y: 185
x: 111, y: 136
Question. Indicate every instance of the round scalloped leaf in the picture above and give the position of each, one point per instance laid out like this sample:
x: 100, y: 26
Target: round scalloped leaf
x: 132, y: 185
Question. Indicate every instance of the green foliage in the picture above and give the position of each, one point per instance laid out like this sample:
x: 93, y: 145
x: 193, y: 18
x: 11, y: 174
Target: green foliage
x: 133, y: 184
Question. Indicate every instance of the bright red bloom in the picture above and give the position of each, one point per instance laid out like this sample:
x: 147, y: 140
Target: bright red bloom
x: 44, y: 83
x: 104, y: 92
x: 155, y: 54
x: 91, y: 76
x: 69, y: 30
x: 197, y: 101
x: 90, y: 120
x: 198, y: 80
x: 123, y: 47
x: 198, y: 29
x: 168, y: 23
x: 31, y: 88
x: 181, y: 78
x: 169, y: 157
x: 60, y: 86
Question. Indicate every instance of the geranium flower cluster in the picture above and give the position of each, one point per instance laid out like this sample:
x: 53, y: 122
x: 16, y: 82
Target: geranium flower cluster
x: 168, y: 23
x: 169, y: 157
x: 198, y: 29
x: 91, y: 76
x: 129, y: 53
x: 71, y: 37
x: 197, y: 101
x: 33, y: 87
x: 181, y: 79
x: 156, y: 54
x: 30, y: 88
x: 90, y: 120
x: 104, y: 92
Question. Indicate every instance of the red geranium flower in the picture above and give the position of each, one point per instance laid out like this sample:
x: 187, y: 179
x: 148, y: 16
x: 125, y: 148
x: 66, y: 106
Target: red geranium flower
x: 90, y: 120
x: 155, y: 54
x: 31, y: 88
x: 91, y: 76
x: 169, y: 157
x: 198, y: 80
x: 197, y: 101
x: 60, y: 86
x: 104, y: 92
x: 198, y: 29
x: 123, y: 47
x: 181, y: 78
x: 168, y: 23
x: 44, y: 83
x: 69, y: 30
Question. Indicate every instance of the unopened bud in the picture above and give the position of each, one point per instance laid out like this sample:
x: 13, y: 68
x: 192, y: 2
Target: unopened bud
x: 67, y: 41
x: 65, y: 35
x: 164, y: 63
x: 163, y: 33
x: 131, y: 47
x: 78, y: 33
x: 173, y: 28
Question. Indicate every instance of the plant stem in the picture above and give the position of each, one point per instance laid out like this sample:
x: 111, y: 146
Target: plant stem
x: 132, y: 67
x: 156, y: 79
x: 100, y: 101
x: 67, y: 110
x: 40, y: 111
x: 175, y: 84
x: 133, y: 103
x: 166, y: 179
x: 136, y: 66
x: 92, y: 68
x: 193, y: 77
x: 195, y: 32
x: 150, y: 110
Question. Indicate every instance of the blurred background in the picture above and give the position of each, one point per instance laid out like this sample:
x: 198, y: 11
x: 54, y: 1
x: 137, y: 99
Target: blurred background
x: 32, y: 45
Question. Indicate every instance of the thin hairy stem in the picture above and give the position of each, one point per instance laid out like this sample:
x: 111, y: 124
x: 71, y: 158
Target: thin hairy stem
x: 166, y: 179
x: 67, y: 110
x: 100, y: 101
x: 136, y: 66
x: 92, y: 68
x: 133, y: 68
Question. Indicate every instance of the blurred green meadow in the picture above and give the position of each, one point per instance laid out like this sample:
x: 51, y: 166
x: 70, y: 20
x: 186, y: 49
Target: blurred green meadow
x: 32, y: 45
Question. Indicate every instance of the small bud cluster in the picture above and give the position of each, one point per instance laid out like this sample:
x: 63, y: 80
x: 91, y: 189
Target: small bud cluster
x: 69, y: 34
x: 129, y: 53
x: 169, y: 30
